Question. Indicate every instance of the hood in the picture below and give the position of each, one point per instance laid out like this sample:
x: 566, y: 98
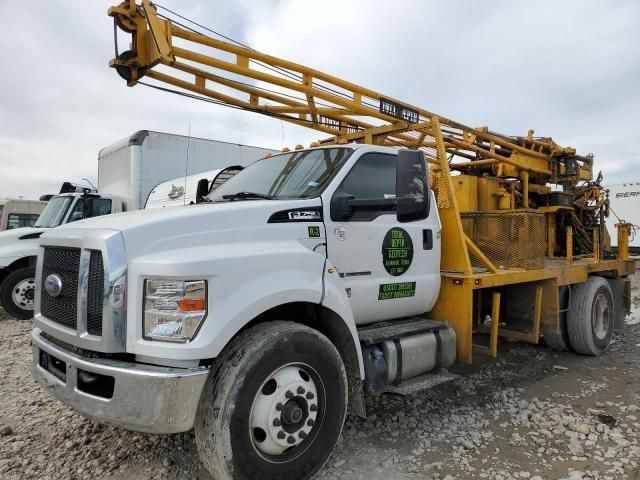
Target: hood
x: 9, y: 236
x: 12, y: 247
x: 149, y: 231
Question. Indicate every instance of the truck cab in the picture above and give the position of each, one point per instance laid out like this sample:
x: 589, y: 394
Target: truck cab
x: 276, y: 294
x: 73, y: 206
x: 18, y: 248
x: 19, y: 213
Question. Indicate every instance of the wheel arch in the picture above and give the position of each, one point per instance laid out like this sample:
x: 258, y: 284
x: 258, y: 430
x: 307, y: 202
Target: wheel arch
x: 334, y: 327
x: 24, y: 262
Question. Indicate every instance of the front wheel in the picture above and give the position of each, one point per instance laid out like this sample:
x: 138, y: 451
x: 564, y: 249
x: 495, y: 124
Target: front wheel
x: 273, y: 406
x: 17, y: 292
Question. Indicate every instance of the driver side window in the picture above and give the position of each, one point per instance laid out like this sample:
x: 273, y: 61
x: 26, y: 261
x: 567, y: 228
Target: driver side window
x: 373, y: 177
x: 77, y: 213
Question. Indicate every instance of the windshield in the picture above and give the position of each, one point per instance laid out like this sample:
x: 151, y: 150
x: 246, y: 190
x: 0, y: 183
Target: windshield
x: 300, y: 174
x: 54, y: 212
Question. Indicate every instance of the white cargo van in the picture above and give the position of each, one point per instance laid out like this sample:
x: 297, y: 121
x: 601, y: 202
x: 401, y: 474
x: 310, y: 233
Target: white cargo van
x: 184, y: 191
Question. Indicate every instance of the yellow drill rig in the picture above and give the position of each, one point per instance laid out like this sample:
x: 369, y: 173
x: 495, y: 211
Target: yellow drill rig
x: 522, y: 217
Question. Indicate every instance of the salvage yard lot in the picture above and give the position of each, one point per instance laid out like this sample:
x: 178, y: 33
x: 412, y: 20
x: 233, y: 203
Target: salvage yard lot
x: 532, y: 414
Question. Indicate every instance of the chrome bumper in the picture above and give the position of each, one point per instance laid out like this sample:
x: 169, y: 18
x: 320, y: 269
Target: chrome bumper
x: 144, y: 397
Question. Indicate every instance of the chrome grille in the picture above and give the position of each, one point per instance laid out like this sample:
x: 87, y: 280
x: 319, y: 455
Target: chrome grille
x: 92, y: 313
x: 64, y: 262
x: 95, y: 293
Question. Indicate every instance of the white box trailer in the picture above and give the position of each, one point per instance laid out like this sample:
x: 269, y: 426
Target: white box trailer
x: 624, y: 201
x: 134, y: 166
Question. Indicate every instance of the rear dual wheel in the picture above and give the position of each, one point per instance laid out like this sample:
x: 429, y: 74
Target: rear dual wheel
x: 586, y: 326
x: 590, y: 317
x: 273, y: 406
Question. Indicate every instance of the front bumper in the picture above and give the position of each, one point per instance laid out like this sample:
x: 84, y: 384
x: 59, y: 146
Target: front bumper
x: 135, y: 396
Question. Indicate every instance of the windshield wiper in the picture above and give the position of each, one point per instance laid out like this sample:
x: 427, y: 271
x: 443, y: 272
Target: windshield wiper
x: 246, y: 195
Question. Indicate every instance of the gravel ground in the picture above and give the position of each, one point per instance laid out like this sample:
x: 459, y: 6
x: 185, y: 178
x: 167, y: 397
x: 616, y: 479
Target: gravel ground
x: 532, y: 414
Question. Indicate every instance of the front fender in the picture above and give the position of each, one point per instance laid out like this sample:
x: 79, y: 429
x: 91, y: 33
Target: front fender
x: 244, y: 280
x: 15, y: 251
x: 335, y: 299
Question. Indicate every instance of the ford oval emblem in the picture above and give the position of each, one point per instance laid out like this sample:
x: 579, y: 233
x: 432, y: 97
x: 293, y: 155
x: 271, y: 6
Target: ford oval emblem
x: 53, y: 285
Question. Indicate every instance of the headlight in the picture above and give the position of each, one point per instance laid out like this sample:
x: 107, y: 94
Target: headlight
x: 174, y: 309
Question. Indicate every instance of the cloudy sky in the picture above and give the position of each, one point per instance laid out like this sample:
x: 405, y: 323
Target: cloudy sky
x: 568, y: 69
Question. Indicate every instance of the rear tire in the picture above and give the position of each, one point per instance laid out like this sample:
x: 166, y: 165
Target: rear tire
x: 17, y: 292
x: 591, y: 316
x: 273, y: 405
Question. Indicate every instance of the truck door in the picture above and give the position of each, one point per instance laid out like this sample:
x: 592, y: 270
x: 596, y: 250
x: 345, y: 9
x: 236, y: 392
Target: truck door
x: 88, y: 208
x: 389, y: 269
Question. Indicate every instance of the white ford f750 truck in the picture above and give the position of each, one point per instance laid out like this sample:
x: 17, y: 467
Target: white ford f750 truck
x: 264, y: 313
x: 253, y: 316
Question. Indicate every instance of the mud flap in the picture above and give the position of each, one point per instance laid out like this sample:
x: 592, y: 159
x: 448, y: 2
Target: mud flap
x: 621, y: 289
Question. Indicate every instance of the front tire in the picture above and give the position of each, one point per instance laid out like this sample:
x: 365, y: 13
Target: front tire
x: 591, y: 316
x: 273, y: 406
x: 17, y: 292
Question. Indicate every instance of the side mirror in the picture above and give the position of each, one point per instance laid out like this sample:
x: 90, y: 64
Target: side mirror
x: 412, y: 186
x: 340, y: 208
x: 202, y: 190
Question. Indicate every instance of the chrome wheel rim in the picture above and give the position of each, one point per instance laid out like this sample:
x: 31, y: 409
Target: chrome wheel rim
x: 23, y: 292
x: 600, y: 316
x: 284, y: 412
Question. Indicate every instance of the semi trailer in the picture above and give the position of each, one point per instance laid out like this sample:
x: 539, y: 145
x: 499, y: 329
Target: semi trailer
x: 263, y: 315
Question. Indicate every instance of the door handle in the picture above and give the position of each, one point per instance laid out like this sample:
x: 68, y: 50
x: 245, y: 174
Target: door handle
x: 427, y: 239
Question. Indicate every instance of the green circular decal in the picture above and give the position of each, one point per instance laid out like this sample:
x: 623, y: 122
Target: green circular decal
x: 397, y: 251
